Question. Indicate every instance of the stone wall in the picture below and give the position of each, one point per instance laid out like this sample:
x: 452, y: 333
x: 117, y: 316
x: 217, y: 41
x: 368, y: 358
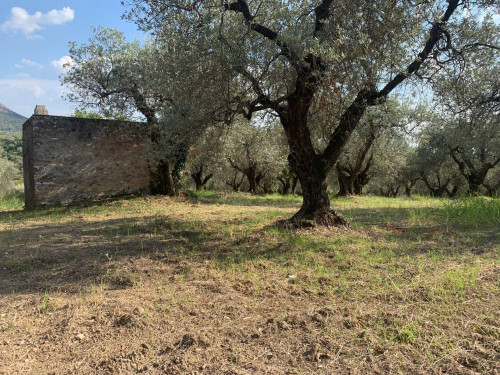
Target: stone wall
x: 68, y: 159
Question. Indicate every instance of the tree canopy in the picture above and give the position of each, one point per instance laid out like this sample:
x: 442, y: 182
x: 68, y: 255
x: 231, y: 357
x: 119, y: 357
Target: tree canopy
x: 324, y: 70
x: 315, y: 65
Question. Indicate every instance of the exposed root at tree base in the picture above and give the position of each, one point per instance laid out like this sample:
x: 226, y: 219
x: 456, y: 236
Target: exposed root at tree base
x: 301, y: 220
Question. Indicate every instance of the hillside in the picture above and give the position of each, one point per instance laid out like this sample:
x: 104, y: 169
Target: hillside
x: 10, y: 121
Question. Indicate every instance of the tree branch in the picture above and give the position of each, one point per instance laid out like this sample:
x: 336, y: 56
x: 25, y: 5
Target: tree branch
x: 206, y: 179
x: 322, y: 12
x: 370, y: 96
x: 481, y: 45
x: 241, y: 6
x: 436, y: 33
x: 261, y: 97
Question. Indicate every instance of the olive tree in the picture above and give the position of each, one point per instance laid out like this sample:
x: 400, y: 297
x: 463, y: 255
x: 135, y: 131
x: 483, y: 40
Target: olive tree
x: 434, y: 166
x: 11, y: 149
x: 255, y: 152
x: 474, y: 146
x: 288, y: 180
x: 365, y: 153
x: 390, y: 158
x: 468, y: 124
x: 205, y: 157
x: 119, y: 79
x: 492, y: 182
x: 296, y: 58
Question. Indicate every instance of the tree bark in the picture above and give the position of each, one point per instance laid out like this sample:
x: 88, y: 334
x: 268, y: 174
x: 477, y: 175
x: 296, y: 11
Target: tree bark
x: 408, y: 185
x: 358, y: 186
x: 391, y: 192
x: 234, y: 183
x: 199, y: 180
x: 439, y: 188
x: 250, y: 173
x: 312, y: 168
x: 475, y: 176
x: 491, y: 190
x: 285, y: 185
x: 161, y: 179
x: 295, y: 180
x: 352, y: 177
x: 288, y: 179
x: 451, y: 193
x: 345, y: 182
x: 315, y: 209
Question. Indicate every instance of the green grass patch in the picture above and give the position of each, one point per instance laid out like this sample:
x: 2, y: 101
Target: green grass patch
x: 415, y: 275
x: 472, y: 211
x: 13, y: 200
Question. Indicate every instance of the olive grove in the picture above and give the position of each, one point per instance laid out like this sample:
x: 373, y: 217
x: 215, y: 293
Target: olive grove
x: 342, y: 79
x: 294, y: 59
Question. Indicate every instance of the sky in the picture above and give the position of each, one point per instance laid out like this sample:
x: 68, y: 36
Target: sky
x: 34, y: 37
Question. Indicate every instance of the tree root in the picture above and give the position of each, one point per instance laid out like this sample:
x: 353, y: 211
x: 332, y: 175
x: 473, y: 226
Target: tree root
x: 304, y: 220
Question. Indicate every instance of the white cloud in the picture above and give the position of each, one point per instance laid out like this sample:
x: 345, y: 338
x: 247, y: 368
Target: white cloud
x: 24, y: 93
x: 28, y: 24
x: 27, y: 62
x: 64, y: 63
x: 38, y: 91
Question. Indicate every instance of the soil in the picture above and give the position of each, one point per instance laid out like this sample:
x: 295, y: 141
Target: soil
x: 118, y: 293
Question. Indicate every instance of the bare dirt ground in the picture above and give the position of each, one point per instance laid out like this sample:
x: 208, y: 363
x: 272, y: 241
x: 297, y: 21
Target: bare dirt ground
x: 155, y: 286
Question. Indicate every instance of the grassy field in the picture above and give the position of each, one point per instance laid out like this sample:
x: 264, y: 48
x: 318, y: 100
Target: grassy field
x: 207, y: 284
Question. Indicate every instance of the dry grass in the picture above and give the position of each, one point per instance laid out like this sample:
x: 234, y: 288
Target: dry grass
x: 209, y: 285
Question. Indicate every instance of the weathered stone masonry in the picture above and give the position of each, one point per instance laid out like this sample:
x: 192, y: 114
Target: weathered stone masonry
x: 68, y: 159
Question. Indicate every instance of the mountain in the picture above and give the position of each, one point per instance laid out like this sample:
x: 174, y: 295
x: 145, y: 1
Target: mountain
x: 10, y: 121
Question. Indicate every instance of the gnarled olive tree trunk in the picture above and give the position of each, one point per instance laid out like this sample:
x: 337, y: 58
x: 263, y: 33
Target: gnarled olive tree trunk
x: 200, y: 179
x: 475, y: 175
x: 311, y: 166
x: 251, y: 173
x: 161, y: 179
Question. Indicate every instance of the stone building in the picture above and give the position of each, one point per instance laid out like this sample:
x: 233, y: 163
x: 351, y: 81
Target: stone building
x: 67, y: 159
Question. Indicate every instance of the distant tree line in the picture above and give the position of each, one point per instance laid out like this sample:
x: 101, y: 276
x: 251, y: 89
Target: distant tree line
x: 11, y: 161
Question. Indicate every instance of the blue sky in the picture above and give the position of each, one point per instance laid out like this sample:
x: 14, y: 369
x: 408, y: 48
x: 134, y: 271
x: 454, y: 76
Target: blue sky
x: 34, y: 38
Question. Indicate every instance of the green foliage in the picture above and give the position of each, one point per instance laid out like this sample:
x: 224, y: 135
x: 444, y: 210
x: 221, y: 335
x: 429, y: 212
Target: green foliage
x: 11, y: 163
x: 408, y: 334
x: 82, y: 113
x: 10, y: 121
x: 44, y: 305
x: 256, y: 151
x: 466, y: 125
x: 101, y: 75
x: 7, y: 175
x: 211, y: 64
x: 301, y: 65
x: 11, y: 148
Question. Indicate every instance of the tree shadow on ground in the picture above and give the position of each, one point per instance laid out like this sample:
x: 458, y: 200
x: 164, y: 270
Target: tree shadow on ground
x: 60, y: 211
x: 67, y: 256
